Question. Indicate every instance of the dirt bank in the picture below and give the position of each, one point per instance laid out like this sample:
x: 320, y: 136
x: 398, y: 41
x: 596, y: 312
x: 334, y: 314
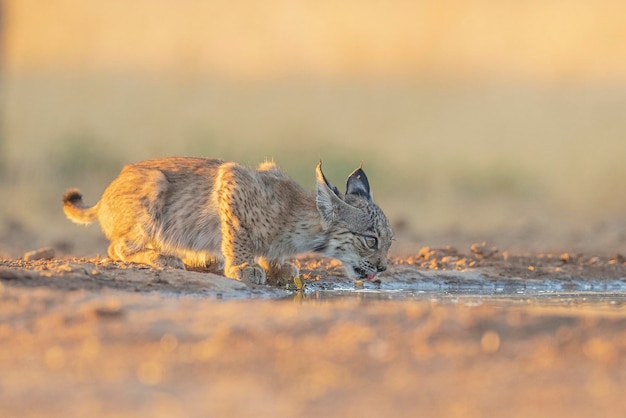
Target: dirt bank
x: 87, y: 337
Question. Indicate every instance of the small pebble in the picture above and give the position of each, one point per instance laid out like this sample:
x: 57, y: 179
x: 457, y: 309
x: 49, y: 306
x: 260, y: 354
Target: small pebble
x: 424, y: 253
x: 481, y: 250
x: 40, y: 254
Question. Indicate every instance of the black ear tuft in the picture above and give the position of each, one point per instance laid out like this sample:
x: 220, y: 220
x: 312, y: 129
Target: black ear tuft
x: 328, y: 200
x: 321, y: 178
x: 358, y: 184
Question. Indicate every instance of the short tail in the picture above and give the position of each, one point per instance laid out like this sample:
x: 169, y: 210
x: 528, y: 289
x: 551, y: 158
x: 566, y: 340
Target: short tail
x: 75, y: 209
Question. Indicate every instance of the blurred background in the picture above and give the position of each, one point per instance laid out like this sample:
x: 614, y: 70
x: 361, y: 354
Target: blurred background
x: 493, y: 119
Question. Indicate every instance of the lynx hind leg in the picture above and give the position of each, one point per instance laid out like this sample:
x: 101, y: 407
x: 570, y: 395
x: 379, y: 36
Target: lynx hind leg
x: 120, y: 250
x: 279, y: 272
x: 203, y: 261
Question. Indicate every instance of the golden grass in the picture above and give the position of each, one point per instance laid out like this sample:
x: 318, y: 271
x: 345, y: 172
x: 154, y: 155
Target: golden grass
x: 471, y: 157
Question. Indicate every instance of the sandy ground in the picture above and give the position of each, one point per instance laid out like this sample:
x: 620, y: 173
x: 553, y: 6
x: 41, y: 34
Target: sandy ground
x: 88, y: 337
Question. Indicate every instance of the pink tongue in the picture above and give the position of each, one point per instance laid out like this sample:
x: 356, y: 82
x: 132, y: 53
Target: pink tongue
x: 371, y: 276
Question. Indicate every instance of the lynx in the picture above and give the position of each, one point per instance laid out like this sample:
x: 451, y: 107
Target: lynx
x: 198, y: 212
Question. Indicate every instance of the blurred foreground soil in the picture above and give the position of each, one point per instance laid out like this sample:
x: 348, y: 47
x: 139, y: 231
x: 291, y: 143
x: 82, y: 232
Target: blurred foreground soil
x: 88, y: 337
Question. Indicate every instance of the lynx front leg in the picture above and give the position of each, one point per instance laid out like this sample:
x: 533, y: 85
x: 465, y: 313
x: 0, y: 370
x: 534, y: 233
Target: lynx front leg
x: 237, y: 247
x: 239, y: 260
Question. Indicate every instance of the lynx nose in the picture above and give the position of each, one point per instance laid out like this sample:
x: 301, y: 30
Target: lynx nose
x: 381, y: 268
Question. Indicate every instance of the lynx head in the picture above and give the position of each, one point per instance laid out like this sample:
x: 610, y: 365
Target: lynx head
x: 358, y: 232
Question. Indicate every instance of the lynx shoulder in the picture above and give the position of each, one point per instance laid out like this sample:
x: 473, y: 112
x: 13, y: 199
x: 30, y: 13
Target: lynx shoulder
x: 177, y: 212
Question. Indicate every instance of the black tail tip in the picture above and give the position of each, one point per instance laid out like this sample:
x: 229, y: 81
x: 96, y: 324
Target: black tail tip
x: 72, y: 196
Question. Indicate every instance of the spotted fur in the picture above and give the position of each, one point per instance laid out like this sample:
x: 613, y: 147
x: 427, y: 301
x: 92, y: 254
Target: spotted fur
x: 173, y: 212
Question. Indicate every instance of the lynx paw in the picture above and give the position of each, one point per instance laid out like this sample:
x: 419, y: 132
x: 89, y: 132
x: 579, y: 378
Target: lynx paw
x: 288, y: 271
x: 278, y: 272
x: 252, y: 274
x: 164, y: 261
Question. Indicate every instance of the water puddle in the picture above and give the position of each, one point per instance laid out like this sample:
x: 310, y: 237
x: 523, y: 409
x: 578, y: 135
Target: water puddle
x: 466, y: 287
x: 613, y: 300
x: 475, y: 288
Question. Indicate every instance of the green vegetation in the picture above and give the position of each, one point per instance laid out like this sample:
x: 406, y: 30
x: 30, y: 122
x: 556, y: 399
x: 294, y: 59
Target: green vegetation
x: 82, y: 156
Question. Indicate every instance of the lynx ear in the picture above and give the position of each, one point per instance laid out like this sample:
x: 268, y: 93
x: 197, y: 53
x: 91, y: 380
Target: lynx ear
x: 358, y: 184
x: 329, y: 201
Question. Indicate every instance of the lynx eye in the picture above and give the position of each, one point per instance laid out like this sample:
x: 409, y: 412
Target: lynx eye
x: 371, y: 242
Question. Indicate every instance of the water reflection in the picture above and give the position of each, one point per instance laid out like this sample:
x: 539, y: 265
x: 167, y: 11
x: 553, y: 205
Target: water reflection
x: 476, y: 290
x: 610, y: 300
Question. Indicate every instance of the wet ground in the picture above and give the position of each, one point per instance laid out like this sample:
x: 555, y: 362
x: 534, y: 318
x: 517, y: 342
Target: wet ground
x: 446, y: 332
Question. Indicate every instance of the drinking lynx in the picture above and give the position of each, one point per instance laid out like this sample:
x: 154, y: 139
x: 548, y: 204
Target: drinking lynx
x: 173, y: 212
